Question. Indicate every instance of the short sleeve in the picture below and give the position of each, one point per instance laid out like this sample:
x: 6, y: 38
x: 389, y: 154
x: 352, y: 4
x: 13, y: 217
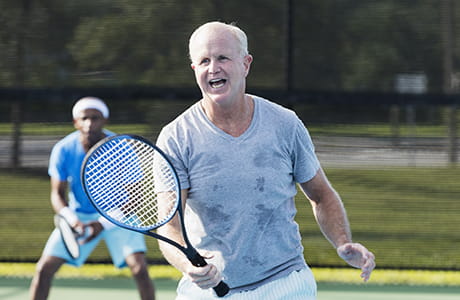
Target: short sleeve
x: 305, y: 161
x: 56, y: 165
x: 168, y: 143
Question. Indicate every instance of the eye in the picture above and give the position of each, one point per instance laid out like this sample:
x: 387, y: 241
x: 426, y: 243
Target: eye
x: 204, y: 61
x: 222, y: 58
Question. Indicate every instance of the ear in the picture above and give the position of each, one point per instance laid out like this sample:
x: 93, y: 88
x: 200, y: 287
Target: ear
x: 247, y: 63
x: 192, y: 66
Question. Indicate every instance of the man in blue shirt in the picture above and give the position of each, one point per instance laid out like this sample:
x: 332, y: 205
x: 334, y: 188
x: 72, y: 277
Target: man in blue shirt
x: 127, y: 248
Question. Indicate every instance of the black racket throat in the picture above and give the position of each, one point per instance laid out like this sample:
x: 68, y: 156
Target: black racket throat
x: 193, y: 256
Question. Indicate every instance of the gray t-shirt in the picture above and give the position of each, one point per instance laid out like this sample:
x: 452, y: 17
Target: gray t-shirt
x: 241, y: 189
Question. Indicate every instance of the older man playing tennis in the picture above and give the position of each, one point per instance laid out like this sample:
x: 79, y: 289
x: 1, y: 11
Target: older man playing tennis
x: 239, y: 158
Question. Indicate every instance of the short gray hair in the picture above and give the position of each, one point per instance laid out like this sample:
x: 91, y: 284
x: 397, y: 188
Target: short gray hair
x: 235, y: 30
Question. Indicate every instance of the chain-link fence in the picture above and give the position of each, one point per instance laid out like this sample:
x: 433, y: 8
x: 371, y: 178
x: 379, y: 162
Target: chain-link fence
x: 376, y: 83
x: 389, y: 161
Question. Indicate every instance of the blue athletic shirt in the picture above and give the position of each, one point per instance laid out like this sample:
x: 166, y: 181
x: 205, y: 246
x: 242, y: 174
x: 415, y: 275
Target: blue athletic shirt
x: 65, y: 164
x: 240, y: 203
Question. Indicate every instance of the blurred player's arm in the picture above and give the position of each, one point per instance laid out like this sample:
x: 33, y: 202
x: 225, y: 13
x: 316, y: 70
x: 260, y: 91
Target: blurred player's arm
x: 60, y: 205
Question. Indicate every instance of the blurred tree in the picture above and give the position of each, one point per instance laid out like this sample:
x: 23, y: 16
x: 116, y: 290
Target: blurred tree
x: 137, y: 42
x: 42, y: 36
x: 363, y: 45
x: 338, y: 45
x: 386, y: 38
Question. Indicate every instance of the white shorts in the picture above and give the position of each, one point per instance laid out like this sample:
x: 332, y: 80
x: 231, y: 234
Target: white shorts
x: 120, y: 243
x: 299, y: 285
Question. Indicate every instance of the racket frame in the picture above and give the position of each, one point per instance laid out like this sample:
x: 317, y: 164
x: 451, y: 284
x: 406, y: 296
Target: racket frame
x: 67, y: 232
x: 189, y: 251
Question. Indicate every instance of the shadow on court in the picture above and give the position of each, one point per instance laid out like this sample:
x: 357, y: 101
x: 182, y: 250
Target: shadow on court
x: 124, y: 288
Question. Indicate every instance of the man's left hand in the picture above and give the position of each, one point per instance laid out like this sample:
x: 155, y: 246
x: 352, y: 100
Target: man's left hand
x: 358, y: 256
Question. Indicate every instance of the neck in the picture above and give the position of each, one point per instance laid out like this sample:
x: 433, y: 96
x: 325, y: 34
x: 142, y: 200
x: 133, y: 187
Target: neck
x: 89, y: 141
x: 235, y: 119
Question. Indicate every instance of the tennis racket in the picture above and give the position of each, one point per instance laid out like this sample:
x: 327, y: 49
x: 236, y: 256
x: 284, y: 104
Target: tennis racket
x: 69, y: 236
x: 132, y: 183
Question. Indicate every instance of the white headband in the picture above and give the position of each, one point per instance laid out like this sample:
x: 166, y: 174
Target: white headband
x: 90, y: 103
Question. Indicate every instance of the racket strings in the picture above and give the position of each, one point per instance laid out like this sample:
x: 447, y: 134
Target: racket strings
x: 132, y: 182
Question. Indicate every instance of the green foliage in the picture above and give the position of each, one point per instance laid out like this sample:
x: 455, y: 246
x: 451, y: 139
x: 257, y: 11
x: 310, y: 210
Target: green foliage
x: 392, y: 41
x: 124, y: 44
x: 337, y: 45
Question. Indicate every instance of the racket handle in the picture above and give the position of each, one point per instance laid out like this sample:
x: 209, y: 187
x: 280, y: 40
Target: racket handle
x: 221, y: 289
x: 198, y: 261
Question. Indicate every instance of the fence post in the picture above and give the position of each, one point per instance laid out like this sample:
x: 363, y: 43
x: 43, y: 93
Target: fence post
x: 20, y: 79
x: 394, y: 124
x: 16, y: 113
x: 452, y: 133
x: 411, y: 133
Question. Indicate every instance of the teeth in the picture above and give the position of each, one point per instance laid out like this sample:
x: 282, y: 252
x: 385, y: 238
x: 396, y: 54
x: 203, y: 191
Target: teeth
x: 217, y: 83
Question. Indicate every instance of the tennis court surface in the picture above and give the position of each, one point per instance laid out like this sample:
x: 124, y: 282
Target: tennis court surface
x: 124, y: 288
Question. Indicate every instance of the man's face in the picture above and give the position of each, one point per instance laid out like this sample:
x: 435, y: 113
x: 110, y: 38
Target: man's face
x: 90, y: 123
x: 220, y: 67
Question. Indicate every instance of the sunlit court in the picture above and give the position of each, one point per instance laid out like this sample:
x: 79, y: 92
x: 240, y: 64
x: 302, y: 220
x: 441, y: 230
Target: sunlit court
x: 373, y: 88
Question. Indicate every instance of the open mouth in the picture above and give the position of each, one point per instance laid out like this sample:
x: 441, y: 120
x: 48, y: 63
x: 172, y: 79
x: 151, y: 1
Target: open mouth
x: 217, y: 83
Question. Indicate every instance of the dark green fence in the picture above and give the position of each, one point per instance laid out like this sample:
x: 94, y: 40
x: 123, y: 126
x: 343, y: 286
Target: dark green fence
x: 390, y: 163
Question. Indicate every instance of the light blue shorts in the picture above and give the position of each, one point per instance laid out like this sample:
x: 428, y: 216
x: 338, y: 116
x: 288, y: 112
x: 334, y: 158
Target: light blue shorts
x: 120, y: 243
x: 299, y: 285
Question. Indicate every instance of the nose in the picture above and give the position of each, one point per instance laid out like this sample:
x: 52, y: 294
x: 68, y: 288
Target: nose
x: 88, y: 124
x: 214, y: 66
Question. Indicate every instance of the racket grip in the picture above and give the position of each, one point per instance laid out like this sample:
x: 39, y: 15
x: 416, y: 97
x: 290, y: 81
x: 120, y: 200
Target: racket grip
x: 221, y: 289
x: 198, y: 261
